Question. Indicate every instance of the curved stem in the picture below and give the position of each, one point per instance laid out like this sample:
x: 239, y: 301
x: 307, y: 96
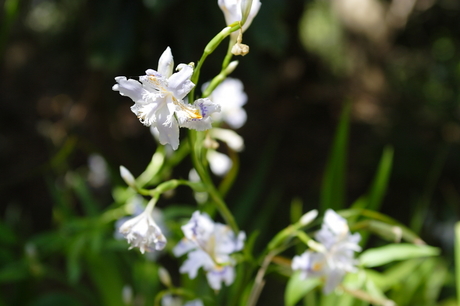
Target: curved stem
x: 211, y: 189
x: 259, y: 281
x: 210, y: 47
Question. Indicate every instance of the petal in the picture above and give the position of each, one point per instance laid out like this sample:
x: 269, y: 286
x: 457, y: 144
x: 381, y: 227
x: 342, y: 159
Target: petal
x: 231, y: 138
x: 206, y: 108
x: 334, y: 278
x: 196, y: 259
x: 217, y: 276
x: 129, y: 88
x: 199, y: 228
x: 168, y: 128
x: 196, y: 302
x: 146, y: 112
x: 252, y: 13
x: 336, y: 223
x: 184, y: 246
x: 231, y: 10
x: 240, y: 241
x: 166, y: 63
x: 219, y: 163
x: 154, y: 82
x: 236, y: 117
x: 179, y: 83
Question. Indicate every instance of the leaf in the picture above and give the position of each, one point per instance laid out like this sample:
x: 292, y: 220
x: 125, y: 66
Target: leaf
x: 333, y: 186
x: 393, y: 252
x: 14, y: 272
x: 397, y: 273
x: 457, y: 257
x: 56, y: 299
x: 380, y: 183
x: 297, y: 288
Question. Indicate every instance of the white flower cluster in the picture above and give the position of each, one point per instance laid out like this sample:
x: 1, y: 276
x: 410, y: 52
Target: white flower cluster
x: 209, y: 246
x: 334, y: 256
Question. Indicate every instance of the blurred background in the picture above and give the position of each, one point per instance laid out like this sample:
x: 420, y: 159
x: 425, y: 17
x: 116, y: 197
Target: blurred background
x: 64, y: 132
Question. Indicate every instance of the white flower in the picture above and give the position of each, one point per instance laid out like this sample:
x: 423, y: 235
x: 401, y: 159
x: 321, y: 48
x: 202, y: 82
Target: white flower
x: 335, y: 233
x: 159, y: 100
x: 233, y: 11
x: 230, y: 137
x: 200, y: 197
x: 98, y: 173
x: 231, y: 97
x: 169, y: 300
x: 335, y: 258
x: 142, y: 231
x: 219, y: 163
x: 209, y: 246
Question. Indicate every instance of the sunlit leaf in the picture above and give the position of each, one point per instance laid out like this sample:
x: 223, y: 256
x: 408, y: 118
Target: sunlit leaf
x: 393, y: 252
x: 297, y: 288
x: 457, y: 257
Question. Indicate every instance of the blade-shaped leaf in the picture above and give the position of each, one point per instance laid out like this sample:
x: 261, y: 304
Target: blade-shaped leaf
x: 457, y: 258
x: 393, y: 252
x: 297, y: 288
x: 333, y: 186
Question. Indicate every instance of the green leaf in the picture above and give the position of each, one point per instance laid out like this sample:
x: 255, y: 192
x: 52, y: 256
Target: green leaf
x: 13, y: 272
x: 297, y: 288
x: 76, y: 248
x: 457, y: 258
x: 379, y: 256
x: 333, y: 186
x: 56, y: 299
x: 380, y: 183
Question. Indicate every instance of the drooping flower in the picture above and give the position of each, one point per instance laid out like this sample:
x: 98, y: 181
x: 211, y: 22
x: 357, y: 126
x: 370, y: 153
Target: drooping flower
x: 159, y: 100
x: 231, y: 97
x: 233, y: 11
x: 335, y: 256
x: 142, y: 232
x: 209, y: 246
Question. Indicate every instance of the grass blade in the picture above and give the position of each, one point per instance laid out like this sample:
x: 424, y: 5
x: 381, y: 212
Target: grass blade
x: 333, y: 187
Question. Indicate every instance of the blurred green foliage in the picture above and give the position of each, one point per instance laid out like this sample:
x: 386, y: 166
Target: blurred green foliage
x: 396, y: 148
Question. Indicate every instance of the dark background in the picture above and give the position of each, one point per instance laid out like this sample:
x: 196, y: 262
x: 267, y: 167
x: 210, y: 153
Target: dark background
x: 399, y: 68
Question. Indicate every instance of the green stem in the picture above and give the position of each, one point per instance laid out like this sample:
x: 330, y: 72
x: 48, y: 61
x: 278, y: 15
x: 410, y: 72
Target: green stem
x: 223, y: 73
x: 227, y: 182
x: 172, y: 184
x: 210, y: 188
x: 210, y: 47
x: 229, y: 55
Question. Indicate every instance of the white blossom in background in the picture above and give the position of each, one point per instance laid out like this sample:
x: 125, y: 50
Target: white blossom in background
x: 200, y: 197
x: 233, y: 11
x: 159, y: 100
x: 143, y: 232
x: 169, y: 300
x: 334, y: 257
x: 219, y: 163
x: 98, y: 173
x: 209, y: 246
x: 134, y: 206
x: 231, y: 97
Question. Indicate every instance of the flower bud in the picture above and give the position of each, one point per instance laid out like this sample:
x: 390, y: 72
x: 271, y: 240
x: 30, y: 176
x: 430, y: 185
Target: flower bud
x: 231, y: 67
x: 127, y: 177
x: 164, y: 276
x: 308, y: 217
